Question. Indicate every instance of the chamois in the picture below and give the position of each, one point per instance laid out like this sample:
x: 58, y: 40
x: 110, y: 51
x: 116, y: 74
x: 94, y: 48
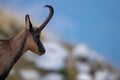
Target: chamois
x: 27, y: 39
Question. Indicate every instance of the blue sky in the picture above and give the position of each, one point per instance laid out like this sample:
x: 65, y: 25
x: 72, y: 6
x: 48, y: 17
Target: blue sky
x: 94, y: 22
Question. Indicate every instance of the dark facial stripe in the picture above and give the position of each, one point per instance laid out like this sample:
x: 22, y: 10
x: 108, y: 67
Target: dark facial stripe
x: 36, y: 37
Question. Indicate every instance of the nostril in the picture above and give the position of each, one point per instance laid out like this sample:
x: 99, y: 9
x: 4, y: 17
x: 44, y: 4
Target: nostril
x: 42, y: 50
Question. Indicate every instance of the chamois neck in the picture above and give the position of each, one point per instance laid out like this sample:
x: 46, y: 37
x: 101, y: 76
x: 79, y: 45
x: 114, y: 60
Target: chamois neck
x: 19, y: 35
x: 18, y: 42
x: 11, y: 51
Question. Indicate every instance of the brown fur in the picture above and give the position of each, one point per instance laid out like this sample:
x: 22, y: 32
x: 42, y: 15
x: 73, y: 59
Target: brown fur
x: 10, y: 49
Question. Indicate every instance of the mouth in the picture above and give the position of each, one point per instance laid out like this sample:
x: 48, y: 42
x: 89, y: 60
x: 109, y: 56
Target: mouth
x: 41, y: 51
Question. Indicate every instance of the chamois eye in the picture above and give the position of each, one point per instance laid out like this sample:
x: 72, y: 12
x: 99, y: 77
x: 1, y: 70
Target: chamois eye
x: 36, y: 36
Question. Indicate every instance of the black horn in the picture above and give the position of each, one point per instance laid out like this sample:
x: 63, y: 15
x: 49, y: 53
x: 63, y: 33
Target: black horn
x: 47, y: 19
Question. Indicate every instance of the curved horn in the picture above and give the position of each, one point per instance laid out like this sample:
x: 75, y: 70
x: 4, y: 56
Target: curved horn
x: 28, y: 22
x: 48, y: 18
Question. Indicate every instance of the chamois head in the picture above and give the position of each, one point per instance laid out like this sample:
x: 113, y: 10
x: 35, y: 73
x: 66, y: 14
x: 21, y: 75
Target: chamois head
x: 35, y: 45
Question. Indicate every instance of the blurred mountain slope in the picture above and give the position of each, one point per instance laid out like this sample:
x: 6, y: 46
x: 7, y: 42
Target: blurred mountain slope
x: 9, y: 25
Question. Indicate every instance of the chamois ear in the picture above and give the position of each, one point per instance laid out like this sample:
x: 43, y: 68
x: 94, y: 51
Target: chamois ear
x: 28, y: 23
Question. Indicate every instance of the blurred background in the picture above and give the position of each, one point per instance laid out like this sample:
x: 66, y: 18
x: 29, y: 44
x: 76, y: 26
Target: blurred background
x: 81, y: 40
